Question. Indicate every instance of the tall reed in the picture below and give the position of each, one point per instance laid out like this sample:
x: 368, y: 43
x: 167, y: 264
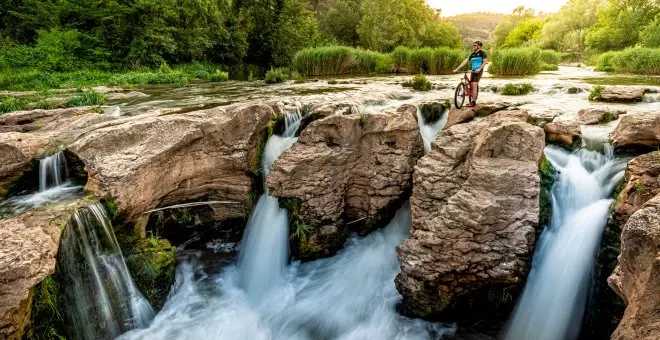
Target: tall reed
x: 637, y: 60
x: 516, y: 61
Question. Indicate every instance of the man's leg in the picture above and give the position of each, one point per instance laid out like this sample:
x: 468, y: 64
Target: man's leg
x: 475, y: 89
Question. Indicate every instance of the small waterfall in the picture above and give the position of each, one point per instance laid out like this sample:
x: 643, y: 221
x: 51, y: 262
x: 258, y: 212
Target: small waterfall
x: 430, y: 131
x: 553, y: 301
x: 265, y: 247
x: 52, y: 171
x: 102, y: 300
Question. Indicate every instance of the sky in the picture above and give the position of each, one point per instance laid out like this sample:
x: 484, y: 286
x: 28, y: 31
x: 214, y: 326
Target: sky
x: 453, y: 7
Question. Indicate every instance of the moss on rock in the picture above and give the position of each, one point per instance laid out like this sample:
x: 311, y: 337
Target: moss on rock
x: 47, y: 317
x: 547, y: 173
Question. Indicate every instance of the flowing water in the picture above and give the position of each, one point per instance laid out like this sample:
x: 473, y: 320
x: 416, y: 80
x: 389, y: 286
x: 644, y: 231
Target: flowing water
x: 54, y: 186
x: 349, y: 296
x: 102, y: 300
x: 553, y: 301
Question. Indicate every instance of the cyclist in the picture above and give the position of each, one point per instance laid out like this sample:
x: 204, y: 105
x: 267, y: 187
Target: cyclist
x: 478, y: 60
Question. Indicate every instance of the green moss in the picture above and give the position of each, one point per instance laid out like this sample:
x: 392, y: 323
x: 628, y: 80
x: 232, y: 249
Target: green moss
x: 46, y: 318
x: 516, y: 89
x: 183, y: 216
x: 111, y: 208
x: 608, y: 117
x: 364, y: 119
x: 152, y: 264
x: 596, y: 93
x: 419, y: 83
x: 257, y: 169
x: 639, y: 188
x: 547, y: 173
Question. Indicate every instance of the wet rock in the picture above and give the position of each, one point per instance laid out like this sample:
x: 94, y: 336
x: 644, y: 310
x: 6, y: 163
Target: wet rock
x: 475, y: 210
x: 486, y: 109
x: 144, y: 162
x: 18, y: 150
x: 540, y: 118
x: 637, y: 131
x: 640, y: 185
x: 594, y: 115
x: 125, y: 95
x: 566, y: 133
x: 458, y: 116
x: 28, y: 249
x: 622, y: 94
x: 637, y: 276
x: 433, y: 110
x: 31, y: 120
x: 345, y: 168
x: 574, y: 90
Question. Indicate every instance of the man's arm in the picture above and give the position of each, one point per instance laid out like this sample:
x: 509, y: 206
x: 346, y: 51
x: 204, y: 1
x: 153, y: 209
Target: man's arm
x: 461, y: 65
x: 483, y: 64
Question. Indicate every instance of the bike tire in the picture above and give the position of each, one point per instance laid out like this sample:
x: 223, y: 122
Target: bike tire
x: 459, y: 95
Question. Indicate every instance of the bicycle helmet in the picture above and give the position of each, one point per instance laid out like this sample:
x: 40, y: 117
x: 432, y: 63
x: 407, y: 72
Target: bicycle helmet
x: 478, y: 42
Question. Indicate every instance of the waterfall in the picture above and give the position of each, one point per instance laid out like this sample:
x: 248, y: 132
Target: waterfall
x: 265, y: 247
x: 553, y: 301
x: 102, y: 300
x: 430, y: 131
x: 52, y: 171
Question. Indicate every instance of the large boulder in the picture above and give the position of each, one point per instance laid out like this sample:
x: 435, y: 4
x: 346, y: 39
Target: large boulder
x: 636, y: 278
x: 622, y: 94
x: 564, y: 132
x: 641, y: 185
x: 357, y: 167
x: 458, y: 116
x: 637, y: 131
x: 144, y: 162
x: 28, y: 249
x: 596, y: 115
x: 475, y: 210
x: 18, y: 150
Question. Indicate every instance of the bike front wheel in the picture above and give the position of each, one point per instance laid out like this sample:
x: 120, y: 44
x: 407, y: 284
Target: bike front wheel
x: 459, y: 95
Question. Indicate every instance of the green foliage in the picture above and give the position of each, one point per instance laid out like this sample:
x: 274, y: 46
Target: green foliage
x: 301, y: 230
x: 9, y: 104
x: 183, y: 216
x: 548, y: 67
x: 46, y: 316
x: 341, y: 22
x: 603, y: 62
x: 639, y: 188
x: 516, y: 89
x: 419, y: 83
x: 433, y: 61
x: 550, y: 57
x: 515, y: 61
x: 595, y: 93
x: 87, y: 98
x: 219, y: 76
x: 637, y: 60
x: 649, y: 36
x: 620, y: 22
x: 525, y: 31
x: 608, y: 117
x: 509, y: 23
x: 566, y: 30
x: 364, y: 119
x: 111, y: 207
x: 274, y: 76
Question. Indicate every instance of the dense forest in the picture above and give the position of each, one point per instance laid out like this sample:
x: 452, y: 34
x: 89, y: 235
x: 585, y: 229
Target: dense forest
x: 242, y: 37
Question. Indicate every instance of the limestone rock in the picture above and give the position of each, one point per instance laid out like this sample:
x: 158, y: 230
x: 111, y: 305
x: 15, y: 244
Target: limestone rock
x: 352, y: 166
x: 32, y: 120
x: 475, y: 210
x: 641, y: 185
x: 148, y: 161
x: 18, y: 150
x: 458, y: 116
x: 598, y: 115
x: 486, y: 109
x: 622, y: 94
x: 637, y: 130
x: 28, y: 249
x: 637, y: 276
x: 124, y: 95
x: 564, y: 132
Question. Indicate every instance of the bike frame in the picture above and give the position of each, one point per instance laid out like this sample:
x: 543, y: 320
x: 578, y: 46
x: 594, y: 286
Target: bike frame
x: 468, y: 85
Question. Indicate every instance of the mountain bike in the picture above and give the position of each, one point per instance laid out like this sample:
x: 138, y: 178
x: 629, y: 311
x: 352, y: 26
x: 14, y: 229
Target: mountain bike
x: 464, y: 89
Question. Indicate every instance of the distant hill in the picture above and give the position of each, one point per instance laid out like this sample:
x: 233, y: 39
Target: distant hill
x: 475, y: 26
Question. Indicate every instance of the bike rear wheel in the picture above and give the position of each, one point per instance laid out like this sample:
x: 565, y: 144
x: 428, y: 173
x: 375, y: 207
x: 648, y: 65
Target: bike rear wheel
x: 459, y: 95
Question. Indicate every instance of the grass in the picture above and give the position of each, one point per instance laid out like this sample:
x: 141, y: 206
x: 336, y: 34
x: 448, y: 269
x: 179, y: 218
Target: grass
x: 516, y: 89
x: 516, y: 62
x: 340, y: 60
x: 551, y: 57
x: 301, y: 230
x: 639, y: 188
x: 419, y: 83
x: 548, y: 67
x: 276, y: 75
x: 364, y: 119
x: 87, y: 98
x: 636, y: 60
x: 9, y: 104
x: 596, y: 93
x: 219, y: 76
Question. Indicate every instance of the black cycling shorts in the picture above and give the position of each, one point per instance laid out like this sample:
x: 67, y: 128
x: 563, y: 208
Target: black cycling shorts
x: 476, y: 76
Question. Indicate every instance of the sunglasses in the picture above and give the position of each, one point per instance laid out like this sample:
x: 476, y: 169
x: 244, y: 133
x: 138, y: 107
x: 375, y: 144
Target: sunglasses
x: 475, y: 45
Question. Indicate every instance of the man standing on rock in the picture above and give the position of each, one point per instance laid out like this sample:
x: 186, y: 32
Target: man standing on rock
x: 478, y: 60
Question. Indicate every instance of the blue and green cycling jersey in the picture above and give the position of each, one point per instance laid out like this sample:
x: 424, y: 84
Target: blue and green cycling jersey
x: 477, y: 59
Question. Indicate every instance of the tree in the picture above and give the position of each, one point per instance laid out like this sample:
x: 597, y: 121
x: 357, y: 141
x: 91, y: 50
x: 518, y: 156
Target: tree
x: 619, y: 24
x: 566, y: 30
x: 528, y: 30
x: 340, y: 23
x: 650, y: 34
x: 510, y: 22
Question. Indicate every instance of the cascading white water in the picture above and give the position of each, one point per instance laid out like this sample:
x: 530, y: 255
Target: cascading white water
x: 553, y: 301
x: 102, y: 300
x: 430, y: 131
x: 52, y: 171
x: 349, y: 296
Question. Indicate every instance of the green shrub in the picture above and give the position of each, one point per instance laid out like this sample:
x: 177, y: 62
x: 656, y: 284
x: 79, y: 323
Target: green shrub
x: 419, y: 83
x: 551, y: 57
x: 324, y: 61
x: 400, y: 57
x: 433, y: 61
x: 45, y: 105
x: 548, y: 67
x: 595, y: 93
x: 274, y: 76
x: 515, y: 62
x: 516, y: 89
x: 219, y: 76
x: 603, y: 62
x: 9, y: 104
x: 87, y: 98
x: 637, y: 60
